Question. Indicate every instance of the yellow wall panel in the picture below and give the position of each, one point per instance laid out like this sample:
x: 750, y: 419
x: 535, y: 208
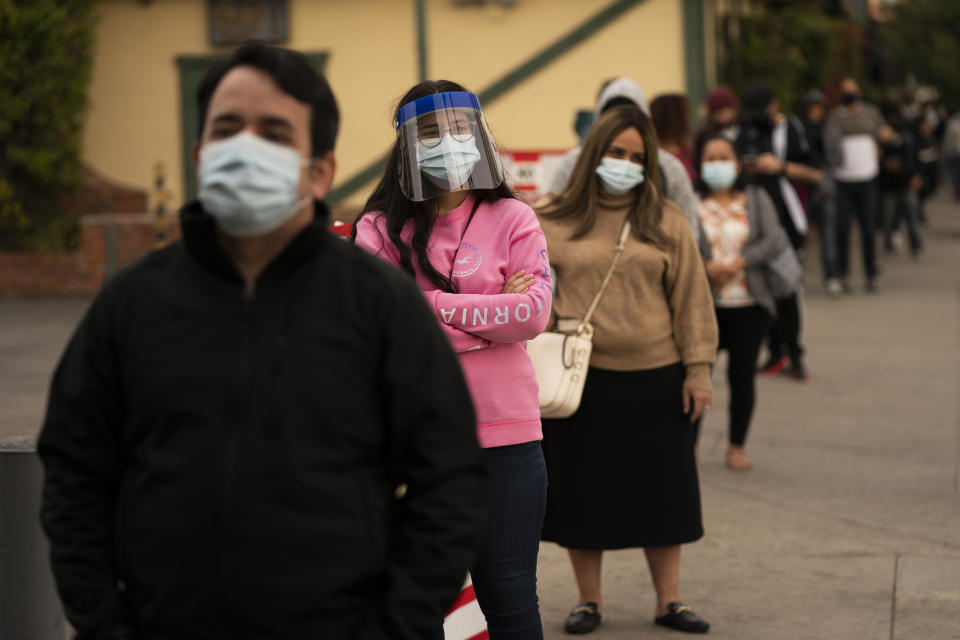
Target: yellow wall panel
x: 134, y: 118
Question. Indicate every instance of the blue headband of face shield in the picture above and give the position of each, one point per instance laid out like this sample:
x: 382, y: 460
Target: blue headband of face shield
x: 435, y: 102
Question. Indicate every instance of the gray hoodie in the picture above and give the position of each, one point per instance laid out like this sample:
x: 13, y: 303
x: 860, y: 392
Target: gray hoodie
x: 679, y: 189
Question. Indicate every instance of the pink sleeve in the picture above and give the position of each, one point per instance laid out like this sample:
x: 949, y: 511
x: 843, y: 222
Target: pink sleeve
x: 372, y: 238
x: 461, y: 341
x: 510, y: 317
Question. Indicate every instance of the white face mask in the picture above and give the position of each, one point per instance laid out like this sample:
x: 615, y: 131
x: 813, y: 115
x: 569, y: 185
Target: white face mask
x: 250, y: 185
x: 450, y: 163
x: 719, y: 174
x: 619, y: 176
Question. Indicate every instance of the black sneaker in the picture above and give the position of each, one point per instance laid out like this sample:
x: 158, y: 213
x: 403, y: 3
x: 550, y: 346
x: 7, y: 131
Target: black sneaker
x: 797, y: 371
x: 682, y: 618
x: 583, y: 619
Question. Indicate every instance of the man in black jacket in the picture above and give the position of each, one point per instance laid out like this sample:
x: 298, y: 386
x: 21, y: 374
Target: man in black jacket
x: 900, y: 180
x: 776, y: 154
x: 825, y: 154
x: 229, y: 426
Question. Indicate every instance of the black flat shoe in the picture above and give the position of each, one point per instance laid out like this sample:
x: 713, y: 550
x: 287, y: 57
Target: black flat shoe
x: 682, y: 618
x: 583, y: 619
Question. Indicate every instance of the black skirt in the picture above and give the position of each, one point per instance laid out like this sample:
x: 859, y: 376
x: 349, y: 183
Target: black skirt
x: 621, y: 470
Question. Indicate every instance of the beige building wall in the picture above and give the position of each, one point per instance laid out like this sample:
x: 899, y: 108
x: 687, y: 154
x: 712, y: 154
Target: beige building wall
x: 134, y: 120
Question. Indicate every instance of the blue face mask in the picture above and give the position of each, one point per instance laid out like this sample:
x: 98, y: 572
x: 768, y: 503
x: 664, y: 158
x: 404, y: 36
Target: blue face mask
x: 449, y: 164
x: 250, y: 185
x: 619, y: 176
x: 719, y: 174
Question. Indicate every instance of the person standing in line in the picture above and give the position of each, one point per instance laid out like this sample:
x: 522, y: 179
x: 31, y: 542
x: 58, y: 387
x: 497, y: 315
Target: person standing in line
x: 723, y: 117
x: 670, y: 113
x: 825, y: 154
x: 899, y: 181
x: 775, y: 152
x: 622, y: 469
x: 677, y: 186
x: 443, y: 214
x: 928, y: 160
x: 951, y: 152
x: 862, y: 129
x: 741, y: 226
x: 228, y: 427
x: 911, y: 109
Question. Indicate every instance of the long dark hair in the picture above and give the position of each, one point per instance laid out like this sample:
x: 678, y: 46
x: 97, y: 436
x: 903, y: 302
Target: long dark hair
x: 670, y: 113
x: 388, y: 199
x: 701, y: 187
x: 578, y: 203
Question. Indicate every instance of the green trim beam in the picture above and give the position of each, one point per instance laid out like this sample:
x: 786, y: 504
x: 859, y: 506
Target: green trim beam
x: 421, y: 7
x: 695, y: 62
x: 550, y: 54
x: 516, y: 76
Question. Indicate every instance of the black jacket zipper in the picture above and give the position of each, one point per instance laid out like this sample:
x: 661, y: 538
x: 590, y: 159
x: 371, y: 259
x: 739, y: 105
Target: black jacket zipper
x: 231, y: 449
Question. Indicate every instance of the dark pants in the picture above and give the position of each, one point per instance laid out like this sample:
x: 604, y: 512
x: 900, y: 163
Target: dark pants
x: 825, y: 212
x: 953, y: 170
x: 902, y: 204
x: 857, y: 199
x: 785, y: 330
x: 741, y: 333
x: 505, y: 573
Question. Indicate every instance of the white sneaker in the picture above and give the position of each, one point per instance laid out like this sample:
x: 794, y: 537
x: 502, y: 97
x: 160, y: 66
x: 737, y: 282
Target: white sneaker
x: 834, y: 288
x: 897, y: 241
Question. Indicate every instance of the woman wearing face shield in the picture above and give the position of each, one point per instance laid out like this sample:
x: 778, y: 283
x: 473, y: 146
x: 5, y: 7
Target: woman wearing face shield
x: 443, y: 214
x: 622, y: 468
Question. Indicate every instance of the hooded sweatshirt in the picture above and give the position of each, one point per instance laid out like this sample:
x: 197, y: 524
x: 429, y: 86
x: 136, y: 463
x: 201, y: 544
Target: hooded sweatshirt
x: 221, y: 460
x: 678, y: 187
x: 488, y: 329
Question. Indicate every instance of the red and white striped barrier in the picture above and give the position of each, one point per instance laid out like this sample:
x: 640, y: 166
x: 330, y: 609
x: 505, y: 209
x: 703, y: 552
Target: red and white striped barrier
x: 465, y: 621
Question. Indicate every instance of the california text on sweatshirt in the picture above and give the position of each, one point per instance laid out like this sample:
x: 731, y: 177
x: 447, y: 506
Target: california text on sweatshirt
x: 487, y: 329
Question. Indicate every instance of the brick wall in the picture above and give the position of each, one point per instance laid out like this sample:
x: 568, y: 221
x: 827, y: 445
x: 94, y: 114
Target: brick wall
x: 34, y: 273
x: 108, y: 242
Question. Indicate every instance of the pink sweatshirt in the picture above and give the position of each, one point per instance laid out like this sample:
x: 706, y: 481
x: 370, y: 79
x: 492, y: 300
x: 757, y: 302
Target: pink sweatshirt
x: 488, y: 329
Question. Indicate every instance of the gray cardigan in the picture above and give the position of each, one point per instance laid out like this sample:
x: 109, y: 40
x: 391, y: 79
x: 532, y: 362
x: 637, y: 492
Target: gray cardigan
x: 765, y: 239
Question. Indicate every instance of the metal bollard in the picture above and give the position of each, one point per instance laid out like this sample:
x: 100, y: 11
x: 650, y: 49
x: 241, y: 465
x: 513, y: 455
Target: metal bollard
x: 29, y: 606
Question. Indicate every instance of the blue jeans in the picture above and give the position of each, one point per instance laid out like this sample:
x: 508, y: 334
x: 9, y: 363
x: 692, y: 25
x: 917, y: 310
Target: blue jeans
x: 902, y: 204
x: 826, y: 208
x: 505, y: 573
x: 857, y: 199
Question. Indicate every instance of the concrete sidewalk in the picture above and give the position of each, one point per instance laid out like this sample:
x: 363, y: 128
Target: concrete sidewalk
x: 849, y: 525
x: 33, y: 334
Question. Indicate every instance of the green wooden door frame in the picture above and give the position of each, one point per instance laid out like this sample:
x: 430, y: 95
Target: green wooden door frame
x: 516, y: 76
x: 695, y: 61
x: 421, y: 8
x: 191, y: 70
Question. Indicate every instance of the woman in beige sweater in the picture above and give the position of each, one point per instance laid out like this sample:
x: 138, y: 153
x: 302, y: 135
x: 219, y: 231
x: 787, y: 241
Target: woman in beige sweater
x: 621, y: 470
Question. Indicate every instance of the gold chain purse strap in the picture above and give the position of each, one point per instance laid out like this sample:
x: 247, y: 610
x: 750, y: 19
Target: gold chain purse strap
x: 584, y: 327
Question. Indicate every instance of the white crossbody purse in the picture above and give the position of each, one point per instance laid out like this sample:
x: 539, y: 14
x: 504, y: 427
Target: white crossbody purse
x: 560, y: 359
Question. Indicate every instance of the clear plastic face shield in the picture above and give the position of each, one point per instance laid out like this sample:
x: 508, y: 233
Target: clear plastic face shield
x: 445, y: 145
